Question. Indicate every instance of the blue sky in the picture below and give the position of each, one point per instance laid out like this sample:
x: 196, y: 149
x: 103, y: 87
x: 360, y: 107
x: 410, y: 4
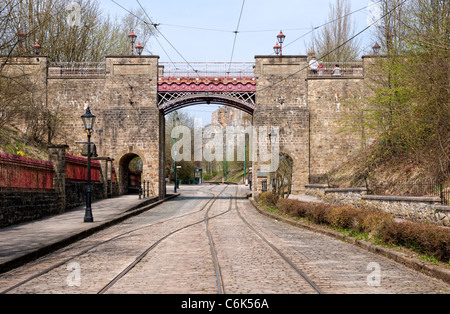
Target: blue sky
x: 259, y: 25
x: 266, y: 17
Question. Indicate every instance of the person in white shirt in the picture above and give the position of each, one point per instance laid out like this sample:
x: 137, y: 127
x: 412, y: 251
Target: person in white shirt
x: 313, y: 66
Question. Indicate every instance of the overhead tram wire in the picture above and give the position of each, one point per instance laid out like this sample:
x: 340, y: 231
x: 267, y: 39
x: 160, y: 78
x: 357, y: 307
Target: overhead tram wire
x: 147, y: 24
x: 199, y: 28
x: 329, y: 22
x: 196, y: 72
x: 330, y: 52
x: 236, y: 32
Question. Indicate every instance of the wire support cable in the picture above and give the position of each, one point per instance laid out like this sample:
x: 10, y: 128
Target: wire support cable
x: 330, y: 52
x: 236, y: 32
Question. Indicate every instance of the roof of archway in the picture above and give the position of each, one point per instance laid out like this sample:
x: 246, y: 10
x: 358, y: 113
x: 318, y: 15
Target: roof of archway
x: 191, y: 99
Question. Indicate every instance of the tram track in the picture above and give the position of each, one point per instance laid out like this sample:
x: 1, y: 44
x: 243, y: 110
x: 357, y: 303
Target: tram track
x: 121, y: 236
x: 206, y: 219
x: 277, y: 251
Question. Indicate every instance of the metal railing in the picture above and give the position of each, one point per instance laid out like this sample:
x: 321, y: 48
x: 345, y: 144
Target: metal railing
x: 424, y: 188
x: 420, y: 188
x: 210, y: 69
x: 319, y: 179
x: 21, y: 173
x: 77, y: 69
x: 346, y: 69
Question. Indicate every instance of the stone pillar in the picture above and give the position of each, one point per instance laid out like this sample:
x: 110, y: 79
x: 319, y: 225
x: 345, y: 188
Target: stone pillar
x: 282, y: 103
x: 130, y: 119
x: 57, y: 155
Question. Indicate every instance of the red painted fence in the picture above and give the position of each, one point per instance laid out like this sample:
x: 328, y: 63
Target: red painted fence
x: 25, y: 173
x: 76, y: 169
x: 135, y: 178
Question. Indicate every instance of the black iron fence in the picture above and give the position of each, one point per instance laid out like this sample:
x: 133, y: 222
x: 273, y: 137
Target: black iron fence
x: 320, y: 179
x: 427, y: 188
x: 424, y: 188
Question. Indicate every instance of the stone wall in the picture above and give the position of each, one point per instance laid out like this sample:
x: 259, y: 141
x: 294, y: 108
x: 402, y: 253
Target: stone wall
x: 309, y: 112
x: 420, y: 209
x: 281, y: 102
x: 128, y: 120
x: 76, y: 193
x: 330, y: 144
x: 18, y: 207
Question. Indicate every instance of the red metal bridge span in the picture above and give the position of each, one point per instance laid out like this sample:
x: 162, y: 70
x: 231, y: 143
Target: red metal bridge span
x: 181, y: 85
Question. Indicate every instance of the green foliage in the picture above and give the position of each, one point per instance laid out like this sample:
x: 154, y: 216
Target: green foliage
x: 408, y: 111
x: 269, y: 198
x: 423, y: 238
x: 18, y: 149
x: 371, y: 224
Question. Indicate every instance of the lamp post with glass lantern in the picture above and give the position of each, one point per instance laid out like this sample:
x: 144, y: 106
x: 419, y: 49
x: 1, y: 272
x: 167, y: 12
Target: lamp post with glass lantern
x: 21, y: 37
x: 376, y: 49
x: 88, y: 121
x: 139, y: 49
x: 37, y: 49
x: 132, y: 36
x: 278, y: 49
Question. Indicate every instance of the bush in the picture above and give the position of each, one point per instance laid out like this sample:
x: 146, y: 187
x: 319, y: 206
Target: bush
x: 423, y: 238
x: 373, y: 221
x: 269, y: 198
x: 342, y: 217
x: 317, y: 212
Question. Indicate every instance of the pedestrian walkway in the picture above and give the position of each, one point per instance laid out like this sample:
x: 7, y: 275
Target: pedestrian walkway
x: 24, y: 242
x: 305, y: 198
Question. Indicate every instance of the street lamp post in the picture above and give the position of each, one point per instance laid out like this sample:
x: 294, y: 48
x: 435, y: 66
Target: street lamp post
x: 21, y: 36
x: 139, y: 49
x: 132, y: 36
x: 279, y: 46
x: 88, y: 120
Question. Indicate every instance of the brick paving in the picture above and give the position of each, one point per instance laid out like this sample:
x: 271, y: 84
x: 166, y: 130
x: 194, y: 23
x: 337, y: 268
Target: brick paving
x: 182, y: 263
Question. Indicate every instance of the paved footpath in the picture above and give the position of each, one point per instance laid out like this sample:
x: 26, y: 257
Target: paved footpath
x: 22, y: 242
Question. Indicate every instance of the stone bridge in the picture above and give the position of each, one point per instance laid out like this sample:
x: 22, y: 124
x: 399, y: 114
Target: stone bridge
x: 131, y: 96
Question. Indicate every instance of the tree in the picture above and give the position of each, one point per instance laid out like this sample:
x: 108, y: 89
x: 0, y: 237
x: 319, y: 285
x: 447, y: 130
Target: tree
x: 326, y: 43
x: 89, y: 37
x: 283, y: 177
x: 67, y: 32
x: 410, y: 108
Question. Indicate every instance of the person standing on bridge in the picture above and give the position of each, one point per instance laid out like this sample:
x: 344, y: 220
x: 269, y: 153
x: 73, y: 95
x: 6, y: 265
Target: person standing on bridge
x: 320, y: 68
x: 336, y: 71
x: 313, y: 66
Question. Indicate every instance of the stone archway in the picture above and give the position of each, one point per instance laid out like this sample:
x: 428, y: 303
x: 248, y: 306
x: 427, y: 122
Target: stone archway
x: 124, y: 175
x: 284, y: 176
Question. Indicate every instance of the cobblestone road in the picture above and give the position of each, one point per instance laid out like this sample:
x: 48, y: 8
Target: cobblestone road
x: 182, y: 263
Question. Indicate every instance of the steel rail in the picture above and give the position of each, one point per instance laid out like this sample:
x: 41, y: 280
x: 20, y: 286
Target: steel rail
x: 154, y: 245
x: 96, y: 245
x: 283, y: 256
x: 219, y: 278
